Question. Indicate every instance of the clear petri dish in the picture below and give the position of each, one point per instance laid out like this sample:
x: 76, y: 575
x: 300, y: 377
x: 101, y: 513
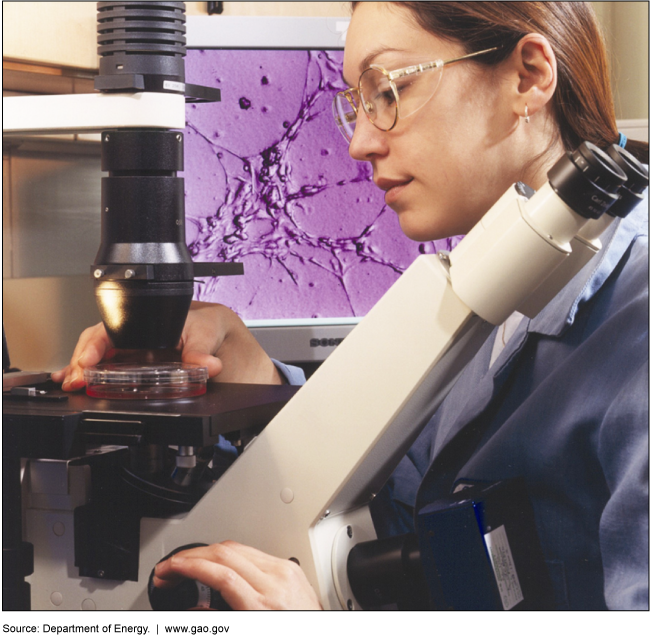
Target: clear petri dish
x: 164, y: 380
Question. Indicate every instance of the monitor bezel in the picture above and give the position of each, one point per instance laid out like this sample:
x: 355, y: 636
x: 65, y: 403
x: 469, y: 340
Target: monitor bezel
x: 269, y: 32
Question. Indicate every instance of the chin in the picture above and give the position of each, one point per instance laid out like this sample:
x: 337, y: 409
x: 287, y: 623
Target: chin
x: 422, y: 232
x: 434, y: 224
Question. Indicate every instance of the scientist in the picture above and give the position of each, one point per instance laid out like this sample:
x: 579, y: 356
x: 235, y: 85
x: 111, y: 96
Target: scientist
x: 563, y: 398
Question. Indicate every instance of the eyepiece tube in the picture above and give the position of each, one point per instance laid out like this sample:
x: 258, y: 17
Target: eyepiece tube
x: 587, y: 180
x: 632, y: 192
x: 522, y: 240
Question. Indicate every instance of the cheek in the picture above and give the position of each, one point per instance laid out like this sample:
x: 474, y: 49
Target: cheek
x: 452, y: 195
x: 456, y: 168
x: 456, y: 160
x: 461, y: 121
x: 445, y: 140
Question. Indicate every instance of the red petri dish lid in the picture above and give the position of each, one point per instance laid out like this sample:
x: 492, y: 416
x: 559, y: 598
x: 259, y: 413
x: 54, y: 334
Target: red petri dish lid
x: 164, y: 380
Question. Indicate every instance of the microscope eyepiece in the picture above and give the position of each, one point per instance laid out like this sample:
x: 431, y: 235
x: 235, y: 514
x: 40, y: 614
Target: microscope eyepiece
x: 587, y: 180
x: 637, y: 181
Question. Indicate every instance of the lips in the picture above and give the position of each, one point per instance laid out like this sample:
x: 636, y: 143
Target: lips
x: 393, y: 188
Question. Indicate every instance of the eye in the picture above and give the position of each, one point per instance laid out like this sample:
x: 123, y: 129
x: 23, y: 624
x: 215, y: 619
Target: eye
x: 386, y: 98
x: 404, y: 85
x: 383, y: 93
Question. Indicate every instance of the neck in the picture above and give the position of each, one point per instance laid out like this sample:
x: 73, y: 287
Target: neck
x: 545, y: 148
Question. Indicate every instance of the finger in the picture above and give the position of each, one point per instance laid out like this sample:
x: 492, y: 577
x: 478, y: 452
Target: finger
x: 247, y: 560
x: 164, y: 574
x: 197, y: 339
x: 224, y: 555
x: 79, y: 347
x: 164, y: 570
x: 87, y: 353
x: 285, y: 586
x: 238, y: 593
x: 205, y: 329
x: 91, y: 347
x: 262, y: 560
x: 91, y: 355
x: 212, y: 363
x: 168, y: 581
x: 58, y: 376
x: 264, y: 583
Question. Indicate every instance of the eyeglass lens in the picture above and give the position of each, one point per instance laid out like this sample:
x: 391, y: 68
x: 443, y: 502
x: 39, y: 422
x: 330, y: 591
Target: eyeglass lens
x: 344, y: 113
x: 379, y: 101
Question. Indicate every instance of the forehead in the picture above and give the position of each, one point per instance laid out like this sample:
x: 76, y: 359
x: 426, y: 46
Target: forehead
x: 383, y: 32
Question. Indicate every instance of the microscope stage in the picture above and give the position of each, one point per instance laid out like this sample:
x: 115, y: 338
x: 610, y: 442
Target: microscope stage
x: 64, y: 429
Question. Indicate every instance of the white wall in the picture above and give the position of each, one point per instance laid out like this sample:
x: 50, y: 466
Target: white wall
x: 65, y: 33
x: 626, y: 29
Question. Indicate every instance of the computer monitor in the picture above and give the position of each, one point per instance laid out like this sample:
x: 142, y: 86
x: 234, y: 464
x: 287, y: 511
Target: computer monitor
x: 269, y: 183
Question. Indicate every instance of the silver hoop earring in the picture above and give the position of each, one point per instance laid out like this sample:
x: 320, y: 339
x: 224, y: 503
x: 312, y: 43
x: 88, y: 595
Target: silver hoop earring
x: 526, y: 116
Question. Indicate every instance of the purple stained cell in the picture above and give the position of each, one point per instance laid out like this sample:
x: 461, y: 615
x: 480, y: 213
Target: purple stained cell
x: 274, y: 187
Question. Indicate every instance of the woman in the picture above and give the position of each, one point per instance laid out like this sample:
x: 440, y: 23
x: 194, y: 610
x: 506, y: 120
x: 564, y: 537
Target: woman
x: 537, y: 87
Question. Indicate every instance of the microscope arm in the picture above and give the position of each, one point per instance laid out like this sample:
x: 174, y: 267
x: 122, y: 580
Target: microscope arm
x: 91, y: 112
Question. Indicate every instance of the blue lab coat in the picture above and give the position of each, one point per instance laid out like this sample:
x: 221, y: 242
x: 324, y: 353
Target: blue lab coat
x: 565, y: 405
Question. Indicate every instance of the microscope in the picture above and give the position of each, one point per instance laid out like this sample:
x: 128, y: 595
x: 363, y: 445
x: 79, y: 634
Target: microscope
x: 144, y: 280
x: 111, y: 486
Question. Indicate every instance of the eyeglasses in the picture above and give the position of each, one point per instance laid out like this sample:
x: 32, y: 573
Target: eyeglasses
x: 387, y: 96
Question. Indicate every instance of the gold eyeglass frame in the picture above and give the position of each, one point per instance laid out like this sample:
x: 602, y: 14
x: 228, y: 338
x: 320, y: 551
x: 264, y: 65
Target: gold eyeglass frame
x: 391, y: 77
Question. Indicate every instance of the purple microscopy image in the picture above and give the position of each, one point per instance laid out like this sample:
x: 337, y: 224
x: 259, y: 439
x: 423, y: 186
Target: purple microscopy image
x: 269, y: 183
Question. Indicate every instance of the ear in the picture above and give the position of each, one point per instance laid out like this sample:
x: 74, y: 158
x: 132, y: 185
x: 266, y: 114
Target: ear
x: 534, y: 61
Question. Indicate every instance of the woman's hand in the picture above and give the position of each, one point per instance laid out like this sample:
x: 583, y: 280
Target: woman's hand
x: 213, y: 336
x: 247, y: 578
x: 92, y: 347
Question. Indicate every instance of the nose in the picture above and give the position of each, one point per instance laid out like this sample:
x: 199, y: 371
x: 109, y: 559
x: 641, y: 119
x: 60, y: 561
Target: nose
x: 367, y: 141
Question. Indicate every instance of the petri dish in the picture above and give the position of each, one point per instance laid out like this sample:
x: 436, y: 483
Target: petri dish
x: 164, y: 380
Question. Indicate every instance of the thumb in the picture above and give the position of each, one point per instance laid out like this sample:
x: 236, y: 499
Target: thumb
x: 212, y: 363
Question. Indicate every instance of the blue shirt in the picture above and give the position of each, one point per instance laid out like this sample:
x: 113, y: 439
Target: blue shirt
x: 566, y: 404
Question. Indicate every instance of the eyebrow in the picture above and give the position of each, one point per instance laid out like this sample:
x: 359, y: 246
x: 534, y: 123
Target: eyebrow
x: 367, y: 61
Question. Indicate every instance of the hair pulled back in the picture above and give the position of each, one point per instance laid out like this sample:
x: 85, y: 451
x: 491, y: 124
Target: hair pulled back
x: 583, y: 103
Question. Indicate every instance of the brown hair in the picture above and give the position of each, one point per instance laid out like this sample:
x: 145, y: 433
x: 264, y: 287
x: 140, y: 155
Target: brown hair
x: 583, y: 103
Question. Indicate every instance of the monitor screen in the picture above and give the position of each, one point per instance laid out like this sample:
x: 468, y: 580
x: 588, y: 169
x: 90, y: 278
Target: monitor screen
x: 269, y: 183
